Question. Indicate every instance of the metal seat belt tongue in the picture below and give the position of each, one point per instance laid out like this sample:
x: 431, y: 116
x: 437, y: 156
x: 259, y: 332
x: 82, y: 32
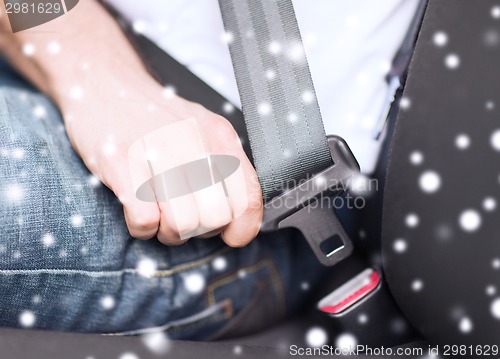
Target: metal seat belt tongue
x: 298, y: 166
x: 311, y: 211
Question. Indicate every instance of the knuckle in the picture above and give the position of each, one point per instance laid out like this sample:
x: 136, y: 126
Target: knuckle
x: 142, y: 224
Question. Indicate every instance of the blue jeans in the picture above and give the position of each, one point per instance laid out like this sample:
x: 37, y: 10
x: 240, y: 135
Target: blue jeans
x: 67, y: 261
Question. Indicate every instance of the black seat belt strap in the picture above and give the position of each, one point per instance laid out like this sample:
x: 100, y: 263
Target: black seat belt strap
x: 282, y: 114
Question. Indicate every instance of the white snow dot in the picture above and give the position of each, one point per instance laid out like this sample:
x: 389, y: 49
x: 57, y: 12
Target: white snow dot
x: 76, y: 92
x: 360, y: 185
x: 228, y: 108
x: 169, y: 91
x: 491, y: 38
x: 362, y: 319
x: 54, y: 47
x: 237, y: 350
x: 491, y: 290
x: 157, y: 342
x: 109, y: 148
x: 227, y: 37
x: 18, y: 153
x: 412, y: 220
x: 495, y: 140
x: 385, y: 67
x: 194, y: 283
x: 15, y: 193
x: 405, y: 103
x: 495, y: 12
x: 495, y: 263
x: 270, y: 74
x: 129, y: 356
x: 85, y: 66
x: 27, y: 319
x: 430, y: 182
x: 316, y: 337
x: 39, y: 111
x: 465, y: 325
x: 417, y: 285
x: 307, y: 97
x: 462, y: 141
x: 346, y: 341
x: 48, y: 240
x: 292, y: 117
x: 440, y: 38
x: 400, y: 246
x: 452, y: 61
x: 107, y: 302
x: 489, y: 204
x: 490, y: 105
x: 76, y: 220
x: 470, y: 220
x: 296, y: 52
x: 416, y: 158
x: 304, y: 286
x: 93, y: 181
x: 29, y: 49
x: 139, y: 26
x: 320, y: 181
x: 264, y: 109
x: 495, y: 308
x: 219, y: 264
x: 274, y: 47
x: 146, y: 267
x: 84, y: 250
x: 36, y: 299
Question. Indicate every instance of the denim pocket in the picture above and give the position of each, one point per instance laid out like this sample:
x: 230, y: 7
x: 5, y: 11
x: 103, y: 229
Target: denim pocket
x: 196, y: 326
x: 259, y: 299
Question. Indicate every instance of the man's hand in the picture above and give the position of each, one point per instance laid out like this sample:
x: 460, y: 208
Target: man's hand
x: 109, y: 102
x: 176, y: 132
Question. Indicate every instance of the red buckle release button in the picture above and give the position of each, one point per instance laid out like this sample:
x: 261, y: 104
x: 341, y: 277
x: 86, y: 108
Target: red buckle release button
x: 350, y: 293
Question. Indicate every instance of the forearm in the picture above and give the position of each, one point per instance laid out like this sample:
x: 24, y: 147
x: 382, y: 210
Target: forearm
x: 93, y: 52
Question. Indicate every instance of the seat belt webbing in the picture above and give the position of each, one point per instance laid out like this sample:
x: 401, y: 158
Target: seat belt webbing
x: 281, y: 112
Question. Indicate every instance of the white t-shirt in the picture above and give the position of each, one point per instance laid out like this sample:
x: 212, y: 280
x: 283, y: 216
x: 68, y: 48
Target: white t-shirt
x: 349, y: 46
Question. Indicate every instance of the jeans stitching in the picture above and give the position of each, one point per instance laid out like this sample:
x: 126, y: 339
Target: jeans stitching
x: 178, y: 325
x: 116, y: 273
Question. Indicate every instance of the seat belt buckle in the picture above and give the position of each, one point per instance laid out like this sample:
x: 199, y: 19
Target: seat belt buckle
x: 309, y: 206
